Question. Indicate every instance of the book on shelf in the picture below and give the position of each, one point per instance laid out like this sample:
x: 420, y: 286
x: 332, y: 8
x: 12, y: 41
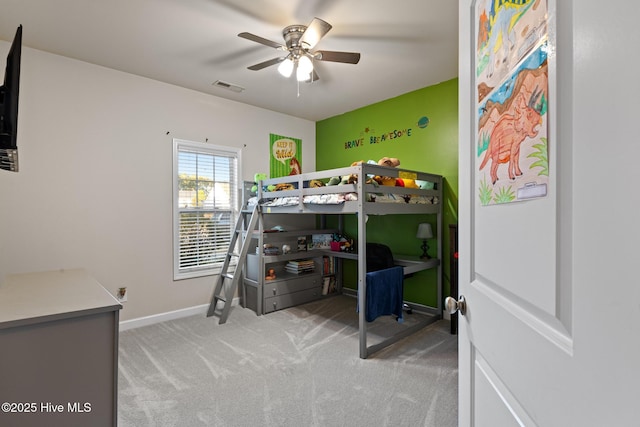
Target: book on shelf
x: 328, y: 285
x: 269, y: 249
x: 301, y: 262
x: 328, y: 266
x: 302, y: 243
x: 300, y: 266
x: 332, y: 284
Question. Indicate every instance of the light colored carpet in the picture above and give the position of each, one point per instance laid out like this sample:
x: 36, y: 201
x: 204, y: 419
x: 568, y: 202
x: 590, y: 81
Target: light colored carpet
x: 296, y: 367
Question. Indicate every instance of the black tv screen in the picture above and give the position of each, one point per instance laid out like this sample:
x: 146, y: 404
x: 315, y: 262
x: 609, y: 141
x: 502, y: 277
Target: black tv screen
x: 9, y: 106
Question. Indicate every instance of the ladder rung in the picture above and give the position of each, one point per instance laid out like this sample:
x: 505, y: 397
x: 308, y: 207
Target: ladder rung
x: 221, y: 298
x: 228, y: 276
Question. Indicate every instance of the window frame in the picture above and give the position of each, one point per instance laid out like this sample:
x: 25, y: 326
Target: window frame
x: 181, y: 145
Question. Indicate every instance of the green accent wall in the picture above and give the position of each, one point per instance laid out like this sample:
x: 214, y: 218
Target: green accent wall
x: 419, y: 128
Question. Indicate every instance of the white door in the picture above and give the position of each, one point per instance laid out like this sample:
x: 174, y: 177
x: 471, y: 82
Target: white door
x: 551, y: 333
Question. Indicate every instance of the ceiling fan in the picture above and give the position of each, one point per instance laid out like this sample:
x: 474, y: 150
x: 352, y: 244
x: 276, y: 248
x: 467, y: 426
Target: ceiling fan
x: 299, y: 42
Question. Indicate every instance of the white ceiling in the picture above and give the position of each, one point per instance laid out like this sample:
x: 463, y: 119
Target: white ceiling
x: 405, y: 45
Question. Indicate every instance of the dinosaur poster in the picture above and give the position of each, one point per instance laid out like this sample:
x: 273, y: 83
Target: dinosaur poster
x: 512, y: 92
x: 285, y: 157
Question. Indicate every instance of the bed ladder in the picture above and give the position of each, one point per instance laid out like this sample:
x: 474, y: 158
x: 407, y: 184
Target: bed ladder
x: 227, y: 283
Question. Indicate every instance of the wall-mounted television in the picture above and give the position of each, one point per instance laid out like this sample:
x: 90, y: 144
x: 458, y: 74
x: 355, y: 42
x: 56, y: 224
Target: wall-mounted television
x: 9, y: 106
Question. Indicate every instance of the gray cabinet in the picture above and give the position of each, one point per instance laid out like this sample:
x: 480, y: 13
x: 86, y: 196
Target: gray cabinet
x: 58, y: 350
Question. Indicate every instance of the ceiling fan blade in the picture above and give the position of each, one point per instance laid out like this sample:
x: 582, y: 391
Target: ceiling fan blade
x: 314, y: 32
x: 265, y: 64
x: 333, y: 56
x: 262, y: 40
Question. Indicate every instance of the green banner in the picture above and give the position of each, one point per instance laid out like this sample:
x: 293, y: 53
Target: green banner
x: 286, y: 156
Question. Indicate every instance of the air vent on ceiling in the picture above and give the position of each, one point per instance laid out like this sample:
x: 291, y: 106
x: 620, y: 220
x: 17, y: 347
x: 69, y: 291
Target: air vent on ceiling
x: 228, y: 86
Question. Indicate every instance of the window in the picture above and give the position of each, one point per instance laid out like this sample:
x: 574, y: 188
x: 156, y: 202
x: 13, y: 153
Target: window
x: 205, y: 206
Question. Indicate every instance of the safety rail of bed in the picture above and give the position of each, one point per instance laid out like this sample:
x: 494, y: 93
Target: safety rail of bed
x: 370, y: 193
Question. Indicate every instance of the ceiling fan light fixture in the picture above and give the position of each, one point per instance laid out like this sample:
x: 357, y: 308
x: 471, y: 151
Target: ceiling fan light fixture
x: 304, y: 64
x: 299, y: 40
x: 286, y: 67
x: 301, y: 76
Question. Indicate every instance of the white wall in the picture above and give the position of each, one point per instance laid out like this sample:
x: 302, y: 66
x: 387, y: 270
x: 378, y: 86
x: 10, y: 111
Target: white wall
x: 94, y: 189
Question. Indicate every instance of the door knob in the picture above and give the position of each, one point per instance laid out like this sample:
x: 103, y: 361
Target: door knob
x: 453, y: 305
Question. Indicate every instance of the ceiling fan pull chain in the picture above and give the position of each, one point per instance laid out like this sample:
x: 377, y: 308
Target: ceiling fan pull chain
x: 313, y: 68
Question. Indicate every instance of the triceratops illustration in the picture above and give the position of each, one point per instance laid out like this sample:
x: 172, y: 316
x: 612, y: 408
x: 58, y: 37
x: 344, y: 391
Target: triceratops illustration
x: 509, y: 132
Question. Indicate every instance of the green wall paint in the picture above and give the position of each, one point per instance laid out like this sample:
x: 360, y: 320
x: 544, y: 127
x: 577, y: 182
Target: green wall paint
x: 391, y: 128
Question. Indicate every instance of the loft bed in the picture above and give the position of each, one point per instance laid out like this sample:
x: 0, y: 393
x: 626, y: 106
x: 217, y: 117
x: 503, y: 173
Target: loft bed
x: 362, y: 197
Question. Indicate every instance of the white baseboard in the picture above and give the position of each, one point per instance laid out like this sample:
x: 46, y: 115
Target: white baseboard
x: 170, y: 315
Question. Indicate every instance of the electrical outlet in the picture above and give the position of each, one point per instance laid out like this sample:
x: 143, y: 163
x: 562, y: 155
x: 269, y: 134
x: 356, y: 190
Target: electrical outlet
x: 122, y: 294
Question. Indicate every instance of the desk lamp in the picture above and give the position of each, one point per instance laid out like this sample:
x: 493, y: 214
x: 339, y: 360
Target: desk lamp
x: 424, y: 233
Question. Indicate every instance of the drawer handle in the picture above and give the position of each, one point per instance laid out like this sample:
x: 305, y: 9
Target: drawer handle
x: 275, y: 291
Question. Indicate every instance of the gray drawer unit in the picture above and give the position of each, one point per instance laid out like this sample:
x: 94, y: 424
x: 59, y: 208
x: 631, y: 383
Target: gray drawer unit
x: 288, y: 289
x: 290, y: 300
x: 281, y: 287
x: 285, y: 293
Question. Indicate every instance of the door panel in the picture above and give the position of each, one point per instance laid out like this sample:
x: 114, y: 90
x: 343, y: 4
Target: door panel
x: 515, y: 350
x: 494, y: 403
x: 515, y: 250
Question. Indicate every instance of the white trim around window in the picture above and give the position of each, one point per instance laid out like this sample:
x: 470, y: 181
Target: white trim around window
x: 206, y: 205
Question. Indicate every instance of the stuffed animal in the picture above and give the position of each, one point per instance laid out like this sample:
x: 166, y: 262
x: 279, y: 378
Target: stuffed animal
x: 352, y: 179
x: 376, y: 180
x: 280, y: 187
x: 424, y: 185
x: 256, y: 179
x: 387, y: 180
x: 345, y: 179
x: 407, y: 183
x: 389, y: 161
x: 271, y: 274
x: 334, y: 180
x: 284, y: 186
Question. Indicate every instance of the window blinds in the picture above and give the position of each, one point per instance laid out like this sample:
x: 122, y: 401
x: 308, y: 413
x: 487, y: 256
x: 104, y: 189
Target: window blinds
x: 205, y: 206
